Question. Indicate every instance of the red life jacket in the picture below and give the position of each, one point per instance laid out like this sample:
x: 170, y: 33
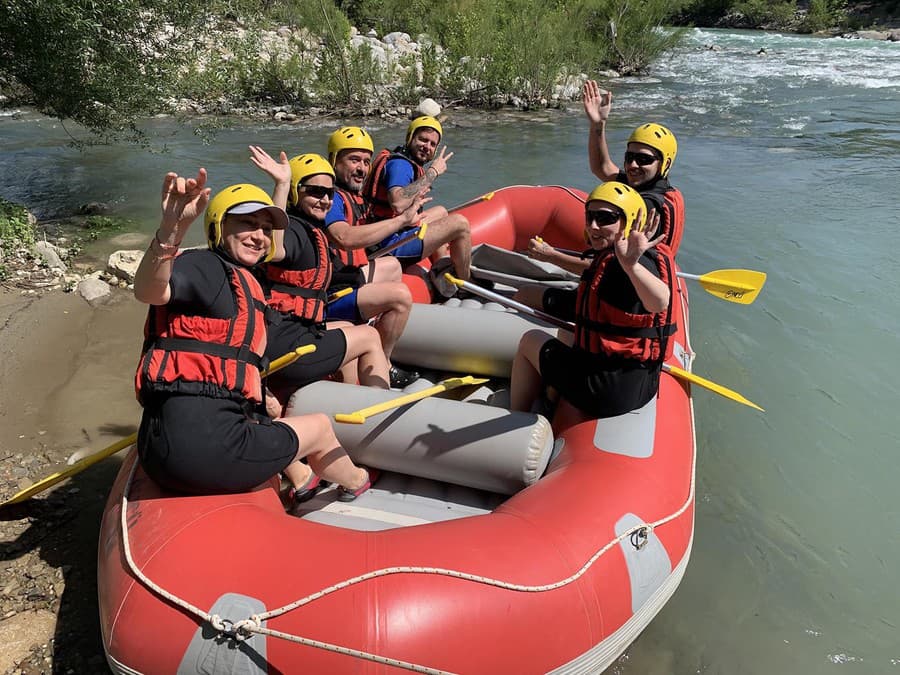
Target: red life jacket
x: 199, y: 355
x: 606, y: 330
x: 354, y: 210
x: 375, y: 192
x: 302, y: 293
x: 672, y: 219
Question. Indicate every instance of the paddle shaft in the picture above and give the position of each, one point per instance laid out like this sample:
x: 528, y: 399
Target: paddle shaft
x: 360, y: 416
x: 672, y: 370
x: 709, y: 277
x: 483, y: 198
x: 418, y: 233
x: 475, y: 289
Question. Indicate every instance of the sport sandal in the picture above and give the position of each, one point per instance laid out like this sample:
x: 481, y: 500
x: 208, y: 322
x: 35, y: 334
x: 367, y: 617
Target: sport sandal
x: 348, y: 495
x: 298, y: 495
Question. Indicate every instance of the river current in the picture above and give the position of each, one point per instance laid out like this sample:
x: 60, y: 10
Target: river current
x: 786, y: 159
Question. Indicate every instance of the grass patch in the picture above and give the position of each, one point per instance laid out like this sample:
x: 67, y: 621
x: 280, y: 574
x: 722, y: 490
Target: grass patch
x: 15, y: 228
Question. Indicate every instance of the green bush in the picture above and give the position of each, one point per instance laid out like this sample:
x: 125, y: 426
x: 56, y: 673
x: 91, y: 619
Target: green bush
x: 108, y: 64
x: 348, y: 76
x: 823, y: 14
x: 16, y: 232
x: 15, y: 229
x: 102, y: 64
x: 626, y: 39
x: 765, y: 13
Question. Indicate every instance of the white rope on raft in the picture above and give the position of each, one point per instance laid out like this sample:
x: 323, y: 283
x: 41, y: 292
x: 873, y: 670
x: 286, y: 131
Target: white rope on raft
x: 243, y: 629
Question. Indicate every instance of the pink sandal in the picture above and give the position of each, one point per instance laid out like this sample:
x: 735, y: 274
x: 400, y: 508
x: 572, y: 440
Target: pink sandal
x: 298, y: 495
x: 348, y: 495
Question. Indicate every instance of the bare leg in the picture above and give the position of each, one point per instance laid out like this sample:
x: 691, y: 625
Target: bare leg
x: 364, y: 344
x: 452, y: 230
x: 391, y: 303
x: 525, y: 382
x: 433, y: 213
x: 325, y: 455
x: 298, y: 473
x: 386, y: 268
x: 442, y: 251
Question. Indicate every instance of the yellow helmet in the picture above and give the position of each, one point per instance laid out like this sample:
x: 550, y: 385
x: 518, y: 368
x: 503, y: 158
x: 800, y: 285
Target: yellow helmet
x: 424, y: 122
x: 302, y: 167
x: 624, y: 197
x: 349, y: 138
x: 659, y: 138
x: 228, y: 200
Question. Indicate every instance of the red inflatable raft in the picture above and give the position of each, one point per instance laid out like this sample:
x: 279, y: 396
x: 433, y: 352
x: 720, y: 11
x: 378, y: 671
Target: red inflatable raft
x: 491, y: 544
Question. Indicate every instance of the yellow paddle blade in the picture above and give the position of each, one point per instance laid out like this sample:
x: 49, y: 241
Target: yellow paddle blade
x: 288, y: 359
x: 360, y: 416
x: 740, y: 286
x: 712, y: 386
x: 77, y: 467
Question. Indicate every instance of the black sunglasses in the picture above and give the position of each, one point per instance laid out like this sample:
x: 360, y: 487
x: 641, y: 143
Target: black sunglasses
x: 601, y: 216
x: 640, y: 158
x: 318, y: 191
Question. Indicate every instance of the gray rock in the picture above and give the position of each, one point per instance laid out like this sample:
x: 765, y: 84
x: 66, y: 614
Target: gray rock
x: 396, y: 38
x: 871, y: 34
x: 428, y: 106
x: 50, y: 255
x: 94, y: 290
x: 124, y: 264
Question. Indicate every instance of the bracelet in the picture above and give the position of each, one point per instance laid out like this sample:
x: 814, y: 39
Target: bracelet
x: 165, y: 252
x: 166, y: 247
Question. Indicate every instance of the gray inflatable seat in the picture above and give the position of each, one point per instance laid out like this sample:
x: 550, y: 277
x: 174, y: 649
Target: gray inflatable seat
x: 468, y: 444
x: 466, y: 338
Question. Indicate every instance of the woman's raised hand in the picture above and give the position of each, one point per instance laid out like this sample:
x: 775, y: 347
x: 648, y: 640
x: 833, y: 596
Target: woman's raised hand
x: 630, y: 249
x: 183, y: 199
x: 597, y: 102
x: 279, y: 171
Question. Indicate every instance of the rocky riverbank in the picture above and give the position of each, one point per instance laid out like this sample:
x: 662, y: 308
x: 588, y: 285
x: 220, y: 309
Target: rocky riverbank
x: 66, y: 369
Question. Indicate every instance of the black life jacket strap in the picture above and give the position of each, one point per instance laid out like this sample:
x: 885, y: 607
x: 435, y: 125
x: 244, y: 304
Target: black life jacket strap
x: 301, y: 292
x: 624, y: 331
x: 242, y: 354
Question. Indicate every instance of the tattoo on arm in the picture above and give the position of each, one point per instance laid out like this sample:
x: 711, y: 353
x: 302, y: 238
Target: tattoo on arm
x: 414, y: 188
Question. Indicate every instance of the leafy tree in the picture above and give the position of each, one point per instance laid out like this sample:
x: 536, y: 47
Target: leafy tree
x: 102, y: 63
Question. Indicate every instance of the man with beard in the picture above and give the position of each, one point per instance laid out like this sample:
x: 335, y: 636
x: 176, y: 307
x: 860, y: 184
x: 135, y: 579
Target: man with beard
x: 395, y: 179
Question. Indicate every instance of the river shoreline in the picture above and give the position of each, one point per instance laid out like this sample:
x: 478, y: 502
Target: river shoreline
x: 59, y: 358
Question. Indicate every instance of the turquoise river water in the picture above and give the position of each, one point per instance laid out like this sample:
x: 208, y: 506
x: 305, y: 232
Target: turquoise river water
x: 785, y: 160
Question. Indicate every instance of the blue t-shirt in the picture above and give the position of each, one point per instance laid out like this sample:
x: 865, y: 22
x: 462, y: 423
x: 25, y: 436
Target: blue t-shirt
x: 337, y: 212
x: 398, y: 173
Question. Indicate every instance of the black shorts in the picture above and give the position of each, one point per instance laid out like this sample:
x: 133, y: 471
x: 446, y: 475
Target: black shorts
x: 284, y: 337
x: 599, y: 390
x: 347, y: 276
x: 203, y: 445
